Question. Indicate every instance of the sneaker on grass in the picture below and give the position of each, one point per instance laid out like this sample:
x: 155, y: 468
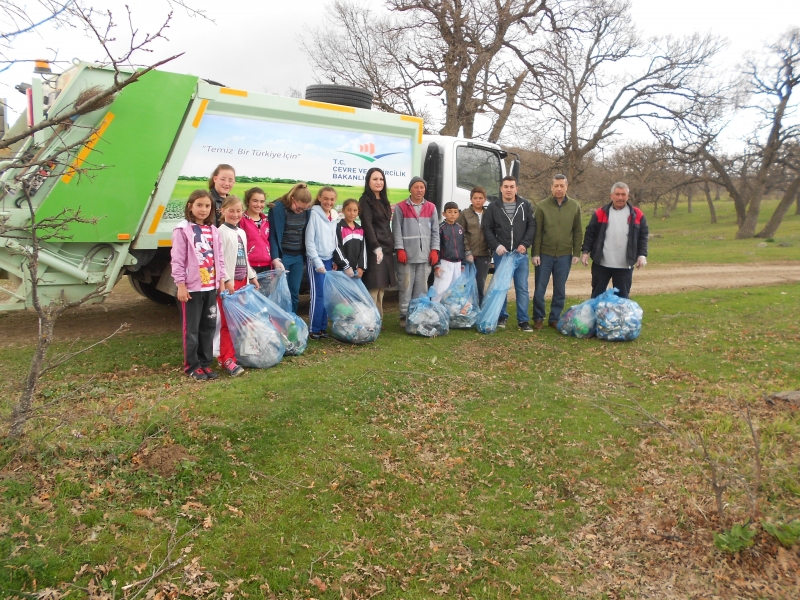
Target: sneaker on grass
x: 198, y: 375
x: 502, y: 321
x: 525, y: 326
x: 232, y: 368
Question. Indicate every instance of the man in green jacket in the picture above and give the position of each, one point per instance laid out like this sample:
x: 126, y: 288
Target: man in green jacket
x: 556, y: 247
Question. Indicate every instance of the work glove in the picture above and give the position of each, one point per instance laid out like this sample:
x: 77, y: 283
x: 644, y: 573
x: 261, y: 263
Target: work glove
x: 379, y: 254
x: 433, y: 257
x: 349, y: 272
x: 401, y: 256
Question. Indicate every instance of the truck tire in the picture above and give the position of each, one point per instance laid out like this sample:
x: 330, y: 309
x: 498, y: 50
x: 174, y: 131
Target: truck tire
x: 344, y: 95
x: 149, y: 291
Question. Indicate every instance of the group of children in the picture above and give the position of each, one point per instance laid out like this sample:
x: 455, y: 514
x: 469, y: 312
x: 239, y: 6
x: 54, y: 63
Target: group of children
x: 224, y: 243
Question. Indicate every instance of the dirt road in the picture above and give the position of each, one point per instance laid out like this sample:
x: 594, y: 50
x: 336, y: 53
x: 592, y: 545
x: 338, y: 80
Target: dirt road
x: 126, y: 306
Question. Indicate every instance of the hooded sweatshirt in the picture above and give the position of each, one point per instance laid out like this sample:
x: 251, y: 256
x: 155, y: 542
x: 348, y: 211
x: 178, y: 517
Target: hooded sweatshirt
x: 321, y: 236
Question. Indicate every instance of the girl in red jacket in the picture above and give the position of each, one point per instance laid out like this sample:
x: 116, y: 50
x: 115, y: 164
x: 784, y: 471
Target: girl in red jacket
x: 256, y: 227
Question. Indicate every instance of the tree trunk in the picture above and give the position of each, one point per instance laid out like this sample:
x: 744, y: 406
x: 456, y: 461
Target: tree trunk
x: 783, y: 206
x: 747, y: 227
x: 797, y: 205
x: 655, y: 208
x: 716, y: 195
x: 711, y: 208
x: 689, y: 194
x: 22, y: 409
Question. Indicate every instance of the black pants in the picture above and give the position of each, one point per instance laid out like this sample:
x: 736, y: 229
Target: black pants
x: 198, y: 323
x: 482, y: 270
x: 620, y: 279
x: 261, y: 269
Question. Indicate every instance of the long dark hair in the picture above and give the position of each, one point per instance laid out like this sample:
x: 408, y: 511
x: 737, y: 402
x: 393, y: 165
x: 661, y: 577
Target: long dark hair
x: 369, y: 195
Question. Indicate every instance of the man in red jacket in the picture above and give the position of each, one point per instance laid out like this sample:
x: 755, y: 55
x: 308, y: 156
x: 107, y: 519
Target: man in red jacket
x: 616, y: 239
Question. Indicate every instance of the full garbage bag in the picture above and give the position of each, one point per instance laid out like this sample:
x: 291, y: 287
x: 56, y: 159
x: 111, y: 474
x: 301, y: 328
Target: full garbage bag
x: 580, y: 320
x: 618, y: 319
x: 274, y: 286
x: 293, y: 329
x: 498, y: 290
x: 461, y: 299
x: 354, y: 317
x: 426, y: 317
x: 256, y: 341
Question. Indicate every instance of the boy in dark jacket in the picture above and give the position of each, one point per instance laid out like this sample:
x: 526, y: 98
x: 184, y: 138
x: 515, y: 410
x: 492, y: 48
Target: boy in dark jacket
x: 451, y: 251
x: 509, y: 226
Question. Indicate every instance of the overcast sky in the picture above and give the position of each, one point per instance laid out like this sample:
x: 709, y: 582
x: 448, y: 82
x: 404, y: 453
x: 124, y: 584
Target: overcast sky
x: 256, y: 45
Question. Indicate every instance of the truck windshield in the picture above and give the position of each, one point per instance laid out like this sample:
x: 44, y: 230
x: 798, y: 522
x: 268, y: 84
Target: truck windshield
x: 476, y: 166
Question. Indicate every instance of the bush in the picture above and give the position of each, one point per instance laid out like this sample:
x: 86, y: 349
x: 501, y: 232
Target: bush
x: 788, y: 534
x: 738, y: 538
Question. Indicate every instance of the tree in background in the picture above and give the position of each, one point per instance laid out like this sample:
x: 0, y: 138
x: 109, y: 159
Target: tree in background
x: 595, y: 74
x: 767, y: 161
x: 460, y: 51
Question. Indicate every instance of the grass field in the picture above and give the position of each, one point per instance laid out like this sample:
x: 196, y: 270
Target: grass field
x: 466, y: 466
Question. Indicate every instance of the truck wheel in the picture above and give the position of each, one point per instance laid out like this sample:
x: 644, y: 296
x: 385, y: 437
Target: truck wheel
x: 340, y: 94
x: 149, y: 291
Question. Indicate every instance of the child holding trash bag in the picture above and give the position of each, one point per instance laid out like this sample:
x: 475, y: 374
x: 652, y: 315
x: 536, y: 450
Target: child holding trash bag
x: 234, y: 251
x: 451, y: 253
x: 288, y: 218
x: 474, y: 243
x: 350, y: 241
x: 198, y: 268
x: 320, y: 248
x: 256, y: 226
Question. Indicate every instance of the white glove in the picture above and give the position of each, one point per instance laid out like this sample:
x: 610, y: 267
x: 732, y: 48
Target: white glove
x: 470, y: 258
x: 349, y: 271
x: 379, y: 254
x: 320, y: 269
x: 641, y: 262
x: 501, y: 250
x: 277, y: 264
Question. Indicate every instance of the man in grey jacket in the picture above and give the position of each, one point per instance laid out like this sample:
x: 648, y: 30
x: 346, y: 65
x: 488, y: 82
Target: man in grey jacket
x: 415, y: 228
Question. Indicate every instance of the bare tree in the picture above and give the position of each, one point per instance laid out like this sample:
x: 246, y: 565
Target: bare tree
x: 766, y: 88
x: 595, y: 74
x: 456, y: 50
x: 27, y: 237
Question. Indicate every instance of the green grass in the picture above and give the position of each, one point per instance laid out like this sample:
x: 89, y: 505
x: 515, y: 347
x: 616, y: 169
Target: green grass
x: 422, y: 467
x: 691, y: 238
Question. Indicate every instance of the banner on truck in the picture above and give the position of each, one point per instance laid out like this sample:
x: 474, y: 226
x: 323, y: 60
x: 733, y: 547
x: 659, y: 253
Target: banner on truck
x: 275, y: 150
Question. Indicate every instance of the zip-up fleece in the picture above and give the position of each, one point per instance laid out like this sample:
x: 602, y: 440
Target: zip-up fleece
x: 416, y: 235
x: 230, y: 236
x: 185, y: 268
x: 277, y: 224
x: 474, y: 243
x: 321, y: 236
x: 595, y: 236
x: 451, y: 241
x: 257, y: 241
x: 558, y: 228
x: 499, y: 230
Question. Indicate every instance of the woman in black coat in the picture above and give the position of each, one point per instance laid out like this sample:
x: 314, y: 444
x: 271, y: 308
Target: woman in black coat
x: 376, y: 219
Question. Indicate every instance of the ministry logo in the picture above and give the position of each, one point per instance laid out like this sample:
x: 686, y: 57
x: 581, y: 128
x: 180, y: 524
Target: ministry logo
x: 367, y: 152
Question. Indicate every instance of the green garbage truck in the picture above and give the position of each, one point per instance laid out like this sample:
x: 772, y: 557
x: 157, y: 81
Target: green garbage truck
x: 161, y: 137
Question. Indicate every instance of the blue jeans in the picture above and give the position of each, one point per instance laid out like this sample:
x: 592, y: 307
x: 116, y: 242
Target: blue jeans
x: 559, y: 267
x: 294, y: 263
x: 520, y: 289
x: 317, y: 317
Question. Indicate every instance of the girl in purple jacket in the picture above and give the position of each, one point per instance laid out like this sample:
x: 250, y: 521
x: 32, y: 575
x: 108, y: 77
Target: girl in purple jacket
x: 198, y: 269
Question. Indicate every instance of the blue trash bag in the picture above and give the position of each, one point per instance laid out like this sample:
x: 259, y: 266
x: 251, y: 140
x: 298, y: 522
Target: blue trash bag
x: 426, y: 317
x: 274, y: 286
x: 461, y: 299
x: 580, y: 320
x: 354, y: 317
x: 293, y: 330
x: 256, y: 341
x: 618, y: 319
x: 498, y: 291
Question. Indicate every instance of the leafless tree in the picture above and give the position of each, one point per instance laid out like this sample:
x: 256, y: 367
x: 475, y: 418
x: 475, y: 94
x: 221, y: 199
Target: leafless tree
x: 767, y: 88
x: 28, y: 239
x: 460, y: 51
x: 595, y: 73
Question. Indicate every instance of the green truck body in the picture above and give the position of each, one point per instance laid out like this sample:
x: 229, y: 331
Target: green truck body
x: 164, y: 128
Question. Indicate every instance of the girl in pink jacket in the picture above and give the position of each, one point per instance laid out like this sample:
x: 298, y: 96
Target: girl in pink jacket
x: 256, y: 226
x: 199, y: 270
